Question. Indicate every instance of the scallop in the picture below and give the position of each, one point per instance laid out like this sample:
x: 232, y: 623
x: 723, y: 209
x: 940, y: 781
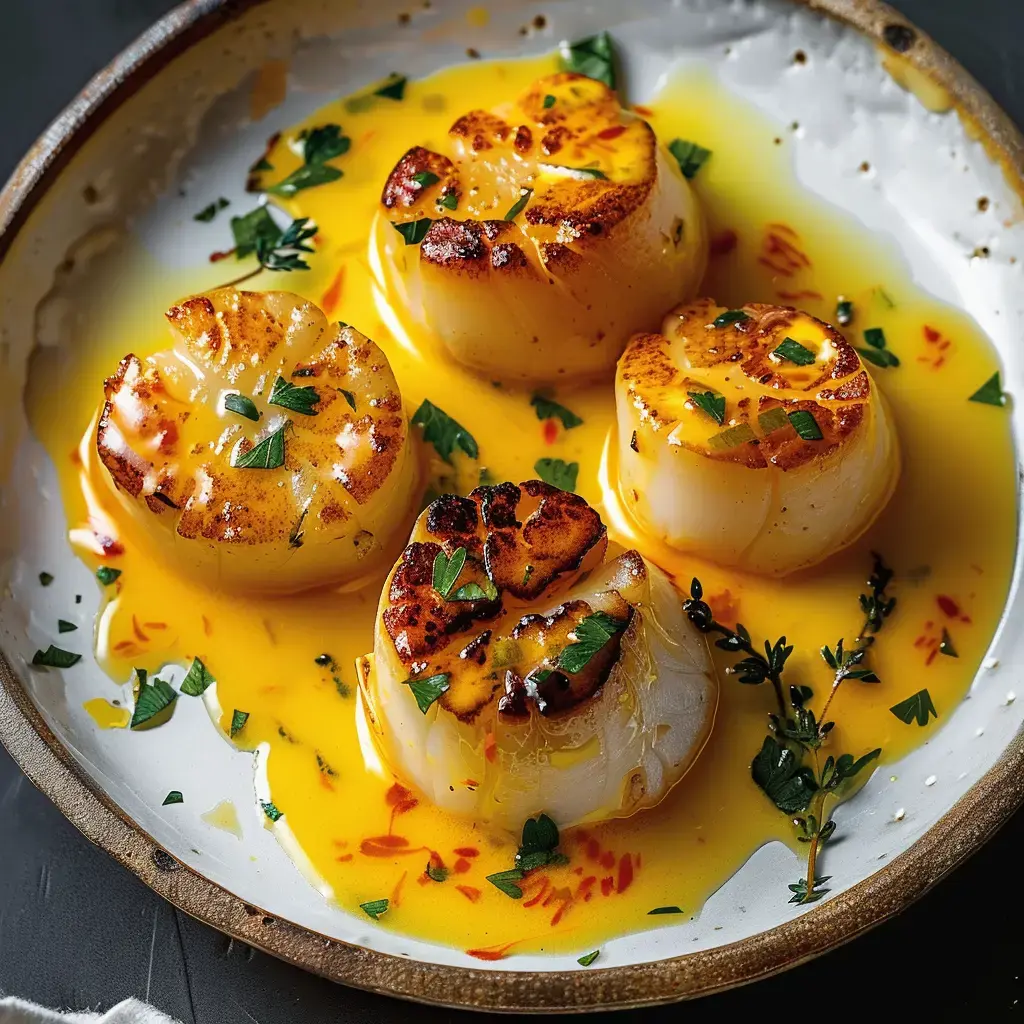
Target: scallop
x: 517, y: 669
x: 267, y: 449
x: 753, y: 436
x: 542, y: 235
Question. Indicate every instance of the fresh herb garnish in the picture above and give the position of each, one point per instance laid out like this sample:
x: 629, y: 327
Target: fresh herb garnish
x: 805, y: 425
x: 664, y: 910
x: 588, y: 172
x: 876, y: 352
x: 591, y: 635
x: 539, y: 845
x: 197, y: 680
x: 446, y: 570
x: 476, y: 592
x: 844, y: 312
x: 106, y: 575
x: 520, y: 204
x: 55, y: 657
x: 549, y: 101
x: 268, y: 454
x: 283, y: 255
x: 990, y: 393
x: 207, y: 213
x: 45, y: 579
x: 450, y: 201
x: 174, y: 797
x: 436, y: 874
x: 918, y: 706
x: 593, y: 57
x: 243, y: 405
x: 444, y: 433
x: 558, y: 473
x: 294, y: 398
x: 710, y: 403
x: 506, y: 882
x: 773, y: 419
x: 325, y: 768
x: 413, y: 231
x: 549, y: 409
x: 374, y: 908
x: 730, y: 316
x: 801, y: 894
x: 271, y: 811
x: 779, y: 774
x: 794, y: 352
x: 324, y: 143
x: 394, y: 88
x: 63, y: 626
x: 349, y: 397
x: 250, y: 228
x: 238, y: 720
x: 153, y: 698
x: 690, y: 157
x: 428, y: 689
x: 731, y: 437
x: 589, y: 958
x: 945, y: 645
x: 425, y: 179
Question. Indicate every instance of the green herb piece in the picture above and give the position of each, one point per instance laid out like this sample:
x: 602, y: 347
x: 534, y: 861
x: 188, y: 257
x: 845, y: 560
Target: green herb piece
x: 427, y: 690
x: 475, y: 592
x: 238, y: 720
x: 591, y: 635
x: 450, y: 201
x: 55, y: 657
x: 875, y: 337
x: 794, y: 352
x: 106, y: 575
x: 252, y: 228
x: 446, y: 570
x: 665, y: 910
x: 919, y: 706
x: 879, y: 357
x: 539, y: 844
x: 548, y: 409
x: 197, y: 680
x: 306, y: 176
x: 990, y: 393
x: 778, y: 773
x: 268, y: 454
x: 243, y: 405
x: 349, y: 397
x: 323, y: 660
x: 593, y: 57
x: 207, y: 213
x: 506, y: 882
x: 271, y: 811
x: 845, y: 767
x: 436, y: 874
x: 174, y: 797
x: 520, y: 204
x: 263, y: 164
x: 589, y: 172
x: 549, y: 101
x: 589, y: 958
x: 730, y: 316
x: 801, y: 894
x: 805, y: 425
x: 374, y: 908
x: 154, y: 697
x: 324, y: 143
x: 342, y: 688
x: 945, y: 647
x: 690, y: 157
x: 284, y: 254
x: 325, y: 768
x: 413, y: 231
x: 45, y: 579
x: 732, y: 437
x: 425, y: 179
x: 558, y: 473
x: 444, y: 433
x: 844, y: 312
x: 710, y: 403
x: 63, y: 626
x: 294, y: 398
x: 393, y: 89
x: 773, y: 419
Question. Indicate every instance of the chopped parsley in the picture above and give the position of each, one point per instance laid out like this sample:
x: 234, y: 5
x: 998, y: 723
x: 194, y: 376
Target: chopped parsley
x: 450, y: 201
x: 548, y: 409
x: 45, y: 579
x: 106, y: 575
x: 374, y: 908
x: 476, y: 592
x: 238, y: 720
x: 55, y: 657
x: 207, y: 213
x: 772, y: 419
x: 63, y: 626
x: 294, y: 398
x: 732, y: 437
x: 918, y: 706
x: 549, y: 101
x: 876, y: 351
x: 990, y: 393
x: 268, y: 454
x: 393, y: 88
x: 587, y: 959
x: 539, y: 845
x: 946, y: 645
x: 251, y: 228
x: 271, y: 811
x: 153, y: 698
x: 243, y: 405
x: 198, y: 679
x: 779, y: 774
x: 665, y: 910
x: 413, y: 231
x: 174, y: 797
x: 436, y: 874
x: 593, y: 57
x: 446, y: 570
x: 591, y: 635
x: 558, y: 473
x: 793, y: 352
x: 324, y: 143
x: 587, y: 172
x: 805, y: 425
x: 306, y: 176
x: 710, y: 403
x: 844, y: 312
x: 520, y: 204
x: 730, y: 316
x: 506, y: 882
x: 284, y: 253
x: 425, y: 179
x: 690, y: 157
x: 427, y: 690
x: 349, y: 397
x: 444, y: 433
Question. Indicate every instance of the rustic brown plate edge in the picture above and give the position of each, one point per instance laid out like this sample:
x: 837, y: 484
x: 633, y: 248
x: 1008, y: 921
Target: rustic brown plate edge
x: 959, y: 833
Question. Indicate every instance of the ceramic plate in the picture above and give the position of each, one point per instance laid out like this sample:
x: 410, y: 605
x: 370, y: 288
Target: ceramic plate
x: 175, y: 109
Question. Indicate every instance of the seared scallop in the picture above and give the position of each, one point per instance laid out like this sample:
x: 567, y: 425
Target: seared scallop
x: 753, y: 436
x: 266, y: 448
x: 516, y: 670
x: 542, y: 235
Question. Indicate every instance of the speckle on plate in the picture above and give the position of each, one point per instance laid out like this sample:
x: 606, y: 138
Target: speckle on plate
x: 899, y: 815
x: 930, y: 781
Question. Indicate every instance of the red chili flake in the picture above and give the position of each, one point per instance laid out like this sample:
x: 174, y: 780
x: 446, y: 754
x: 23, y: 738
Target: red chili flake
x: 326, y: 782
x: 593, y: 849
x: 466, y: 851
x: 930, y: 334
x: 948, y: 606
x: 137, y: 630
x: 344, y: 858
x: 919, y: 641
x: 330, y: 298
x: 491, y: 952
x: 612, y: 133
x: 931, y: 656
x: 216, y: 257
x: 534, y: 900
x: 111, y: 548
x: 387, y: 846
x: 723, y: 243
x: 643, y: 111
x: 471, y: 783
x: 550, y: 431
x: 490, y: 747
x: 400, y: 800
x: 155, y: 625
x: 607, y: 860
x: 782, y: 254
x: 76, y: 458
x: 207, y: 625
x: 396, y: 894
x: 607, y: 886
x: 469, y: 892
x: 461, y: 866
x: 562, y: 910
x: 625, y: 873
x: 586, y: 884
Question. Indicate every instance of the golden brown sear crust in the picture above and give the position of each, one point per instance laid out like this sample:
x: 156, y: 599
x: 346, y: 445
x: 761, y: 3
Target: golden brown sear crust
x: 402, y: 190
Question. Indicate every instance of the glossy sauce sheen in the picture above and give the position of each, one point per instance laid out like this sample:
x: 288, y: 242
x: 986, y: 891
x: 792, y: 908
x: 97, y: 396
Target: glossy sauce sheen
x: 948, y: 532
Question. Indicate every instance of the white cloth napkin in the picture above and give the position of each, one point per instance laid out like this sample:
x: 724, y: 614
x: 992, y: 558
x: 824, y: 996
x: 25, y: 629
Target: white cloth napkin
x: 131, y: 1011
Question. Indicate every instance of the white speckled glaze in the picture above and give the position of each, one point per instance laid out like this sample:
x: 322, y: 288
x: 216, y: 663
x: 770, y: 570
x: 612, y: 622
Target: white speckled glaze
x: 189, y: 127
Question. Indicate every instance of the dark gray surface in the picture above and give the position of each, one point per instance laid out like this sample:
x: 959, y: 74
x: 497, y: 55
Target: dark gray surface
x: 76, y: 930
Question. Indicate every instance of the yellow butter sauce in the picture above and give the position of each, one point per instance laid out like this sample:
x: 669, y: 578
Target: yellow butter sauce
x: 949, y: 533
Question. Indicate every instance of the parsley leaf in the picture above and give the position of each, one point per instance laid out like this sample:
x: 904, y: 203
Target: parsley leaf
x: 153, y: 698
x: 506, y: 882
x: 197, y: 680
x: 665, y: 910
x: 548, y: 409
x: 238, y: 720
x: 588, y: 172
x: 251, y: 228
x: 271, y: 810
x: 593, y: 57
x: 990, y: 393
x: 425, y: 179
x: 45, y: 579
x: 374, y: 908
x: 591, y: 635
x: 520, y: 204
x: 558, y: 473
x: 294, y: 398
x: 268, y: 454
x: 427, y: 690
x: 284, y: 252
x: 918, y: 706
x: 690, y: 157
x: 475, y: 592
x: 306, y: 176
x: 394, y: 88
x: 450, y: 201
x: 805, y: 425
x: 446, y: 570
x: 444, y: 433
x: 349, y: 397
x: 243, y: 405
x: 55, y: 657
x: 106, y: 575
x: 413, y: 231
x: 549, y: 101
x: 324, y: 143
x: 730, y: 316
x: 710, y: 403
x: 539, y: 844
x: 945, y: 647
x: 778, y: 773
x: 207, y: 213
x: 436, y: 874
x: 589, y: 958
x: 794, y: 352
x: 63, y: 626
x: 879, y: 357
x: 174, y: 797
x: 844, y: 312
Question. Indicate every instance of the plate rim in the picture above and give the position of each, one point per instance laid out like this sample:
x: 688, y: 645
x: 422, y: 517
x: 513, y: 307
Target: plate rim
x: 959, y: 833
